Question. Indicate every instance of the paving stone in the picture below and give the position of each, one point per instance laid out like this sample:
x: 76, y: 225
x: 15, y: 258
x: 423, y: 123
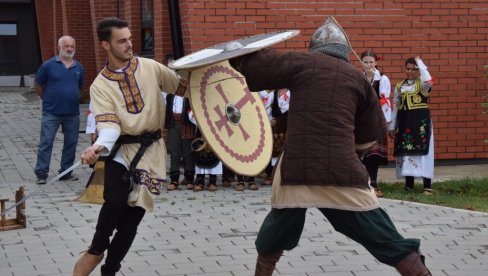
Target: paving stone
x: 207, y: 233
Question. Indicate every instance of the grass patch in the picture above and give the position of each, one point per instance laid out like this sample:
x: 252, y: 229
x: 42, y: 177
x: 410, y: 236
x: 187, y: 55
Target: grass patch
x: 470, y: 194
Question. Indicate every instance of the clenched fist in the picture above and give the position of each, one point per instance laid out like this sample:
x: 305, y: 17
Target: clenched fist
x: 90, y: 155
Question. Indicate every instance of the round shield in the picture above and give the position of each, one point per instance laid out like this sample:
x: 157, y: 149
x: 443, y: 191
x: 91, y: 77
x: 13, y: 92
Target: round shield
x: 232, y: 49
x: 232, y: 119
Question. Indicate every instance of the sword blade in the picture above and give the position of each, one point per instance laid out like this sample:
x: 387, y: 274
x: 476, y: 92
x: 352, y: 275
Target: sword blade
x: 38, y: 191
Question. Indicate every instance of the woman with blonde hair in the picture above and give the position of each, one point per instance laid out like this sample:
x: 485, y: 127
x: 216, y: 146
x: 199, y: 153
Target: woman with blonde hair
x: 378, y: 154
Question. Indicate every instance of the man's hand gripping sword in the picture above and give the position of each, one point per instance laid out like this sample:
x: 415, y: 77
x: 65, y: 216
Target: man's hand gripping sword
x: 38, y: 191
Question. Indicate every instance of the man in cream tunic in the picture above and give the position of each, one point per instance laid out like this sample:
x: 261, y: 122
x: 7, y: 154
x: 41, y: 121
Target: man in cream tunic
x: 127, y: 103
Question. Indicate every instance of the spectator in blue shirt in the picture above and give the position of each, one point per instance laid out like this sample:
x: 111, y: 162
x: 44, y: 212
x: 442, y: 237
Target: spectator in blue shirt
x: 59, y: 82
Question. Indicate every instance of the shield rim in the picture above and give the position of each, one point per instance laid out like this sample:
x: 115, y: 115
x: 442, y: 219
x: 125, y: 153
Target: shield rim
x: 194, y: 66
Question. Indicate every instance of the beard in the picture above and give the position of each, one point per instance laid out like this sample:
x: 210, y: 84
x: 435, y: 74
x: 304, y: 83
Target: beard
x: 123, y: 56
x: 66, y: 54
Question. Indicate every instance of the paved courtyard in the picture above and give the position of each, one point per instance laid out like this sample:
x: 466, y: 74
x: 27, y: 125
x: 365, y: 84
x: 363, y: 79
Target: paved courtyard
x: 207, y: 233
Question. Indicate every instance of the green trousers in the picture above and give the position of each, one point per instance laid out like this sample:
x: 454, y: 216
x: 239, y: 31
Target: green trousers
x: 282, y: 228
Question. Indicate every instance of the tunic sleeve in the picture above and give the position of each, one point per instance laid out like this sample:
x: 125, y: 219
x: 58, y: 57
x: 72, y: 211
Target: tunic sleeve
x: 106, y: 118
x: 169, y: 81
x: 266, y: 69
x: 396, y: 97
x: 104, y: 109
x: 90, y: 121
x: 385, y: 86
x: 385, y: 89
x: 425, y: 77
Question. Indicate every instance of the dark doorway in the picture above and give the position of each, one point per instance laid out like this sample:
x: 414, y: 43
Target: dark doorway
x: 19, y: 44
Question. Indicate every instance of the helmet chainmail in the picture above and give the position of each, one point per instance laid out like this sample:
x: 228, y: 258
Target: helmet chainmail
x: 334, y: 49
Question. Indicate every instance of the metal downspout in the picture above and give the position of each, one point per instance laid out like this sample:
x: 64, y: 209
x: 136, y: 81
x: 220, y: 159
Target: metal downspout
x: 176, y: 36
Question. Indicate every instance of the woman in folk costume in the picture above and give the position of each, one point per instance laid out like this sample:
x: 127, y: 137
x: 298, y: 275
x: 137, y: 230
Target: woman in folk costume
x: 411, y: 126
x: 276, y: 103
x: 378, y: 154
x: 129, y: 114
x: 181, y: 133
x: 267, y: 97
x: 333, y: 115
x: 206, y: 161
x: 279, y: 114
x: 91, y: 128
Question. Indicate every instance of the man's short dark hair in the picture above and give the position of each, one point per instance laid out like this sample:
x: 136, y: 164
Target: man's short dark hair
x: 104, y: 27
x: 411, y: 60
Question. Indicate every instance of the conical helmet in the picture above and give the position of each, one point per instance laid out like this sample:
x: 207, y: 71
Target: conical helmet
x: 331, y: 40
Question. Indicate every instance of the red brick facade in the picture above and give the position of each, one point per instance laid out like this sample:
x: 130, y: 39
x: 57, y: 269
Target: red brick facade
x: 450, y: 36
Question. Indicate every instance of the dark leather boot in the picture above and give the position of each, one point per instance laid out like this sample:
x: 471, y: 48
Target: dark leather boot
x: 413, y: 265
x: 265, y: 264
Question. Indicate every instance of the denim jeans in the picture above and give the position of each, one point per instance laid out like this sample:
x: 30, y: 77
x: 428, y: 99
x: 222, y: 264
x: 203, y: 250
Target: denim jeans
x: 70, y: 125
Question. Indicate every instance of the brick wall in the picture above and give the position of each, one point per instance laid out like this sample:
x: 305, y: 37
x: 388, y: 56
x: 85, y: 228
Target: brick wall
x: 78, y: 19
x: 57, y: 24
x: 44, y: 14
x: 450, y: 36
x: 133, y: 16
x: 75, y: 23
x: 100, y: 9
x: 163, y: 45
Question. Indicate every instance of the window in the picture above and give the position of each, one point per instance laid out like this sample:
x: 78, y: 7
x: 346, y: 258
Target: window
x: 8, y: 29
x: 147, y: 28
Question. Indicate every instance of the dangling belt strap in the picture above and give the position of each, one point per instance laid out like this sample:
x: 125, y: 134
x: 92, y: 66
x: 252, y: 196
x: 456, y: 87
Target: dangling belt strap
x: 145, y: 140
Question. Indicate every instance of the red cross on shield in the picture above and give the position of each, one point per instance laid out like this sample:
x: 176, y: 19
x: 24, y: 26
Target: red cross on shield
x: 232, y: 119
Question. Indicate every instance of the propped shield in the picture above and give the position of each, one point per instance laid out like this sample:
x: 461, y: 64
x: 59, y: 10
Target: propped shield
x: 232, y: 119
x: 94, y: 188
x: 232, y: 49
